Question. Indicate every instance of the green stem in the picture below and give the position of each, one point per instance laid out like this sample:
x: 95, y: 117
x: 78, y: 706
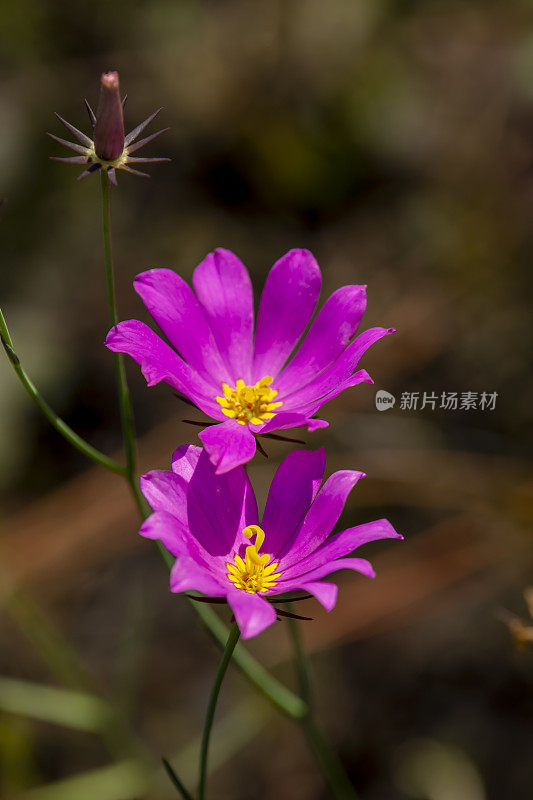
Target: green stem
x: 233, y: 638
x: 330, y: 763
x: 175, y: 779
x: 126, y: 410
x: 282, y: 698
x: 304, y: 679
x: 61, y: 427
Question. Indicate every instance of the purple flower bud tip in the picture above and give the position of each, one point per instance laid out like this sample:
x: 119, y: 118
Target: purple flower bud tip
x: 109, y: 80
x: 109, y: 127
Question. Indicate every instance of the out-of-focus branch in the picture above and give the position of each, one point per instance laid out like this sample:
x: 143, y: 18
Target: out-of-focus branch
x: 60, y: 425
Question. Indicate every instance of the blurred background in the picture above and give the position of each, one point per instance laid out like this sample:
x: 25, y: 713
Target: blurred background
x: 395, y: 140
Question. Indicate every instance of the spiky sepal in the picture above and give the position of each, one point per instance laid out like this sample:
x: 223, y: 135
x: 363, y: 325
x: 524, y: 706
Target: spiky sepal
x: 87, y: 154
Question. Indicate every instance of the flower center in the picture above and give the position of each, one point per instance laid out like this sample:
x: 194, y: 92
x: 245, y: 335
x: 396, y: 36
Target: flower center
x: 249, y: 404
x: 254, y: 574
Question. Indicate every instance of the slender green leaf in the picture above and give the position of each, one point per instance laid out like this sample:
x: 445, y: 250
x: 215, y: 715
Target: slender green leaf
x: 122, y: 781
x: 47, y: 703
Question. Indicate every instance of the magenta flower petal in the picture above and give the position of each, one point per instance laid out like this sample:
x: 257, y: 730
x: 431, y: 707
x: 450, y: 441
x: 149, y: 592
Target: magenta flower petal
x: 159, y: 362
x: 252, y: 613
x: 286, y: 420
x: 361, y: 376
x: 165, y: 527
x: 165, y: 491
x: 185, y: 459
x: 224, y: 289
x: 219, y: 506
x: 316, y: 424
x: 175, y: 537
x: 328, y: 336
x: 325, y: 592
x: 187, y: 575
x: 341, y: 370
x: 357, y: 564
x: 292, y: 491
x: 229, y: 445
x: 321, y: 517
x: 287, y: 304
x: 340, y: 545
x: 210, y: 523
x: 215, y: 508
x: 173, y: 305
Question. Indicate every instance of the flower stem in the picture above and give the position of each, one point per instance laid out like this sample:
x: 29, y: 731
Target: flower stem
x: 304, y: 679
x: 60, y: 425
x: 175, y: 779
x: 282, y: 698
x: 126, y: 410
x: 330, y: 763
x: 233, y: 638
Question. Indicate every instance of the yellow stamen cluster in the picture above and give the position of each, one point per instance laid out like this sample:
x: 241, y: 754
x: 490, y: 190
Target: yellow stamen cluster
x: 253, y: 574
x: 249, y: 404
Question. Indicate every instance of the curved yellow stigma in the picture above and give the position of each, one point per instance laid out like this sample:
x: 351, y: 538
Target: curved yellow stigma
x: 254, y: 574
x: 249, y: 404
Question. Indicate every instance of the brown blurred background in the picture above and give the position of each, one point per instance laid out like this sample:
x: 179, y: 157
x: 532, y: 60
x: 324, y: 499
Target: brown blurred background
x: 394, y: 140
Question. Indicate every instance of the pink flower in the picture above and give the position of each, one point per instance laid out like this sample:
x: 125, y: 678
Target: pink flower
x: 210, y: 523
x: 247, y: 382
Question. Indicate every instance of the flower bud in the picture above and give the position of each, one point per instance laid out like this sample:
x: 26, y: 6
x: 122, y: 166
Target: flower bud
x: 109, y: 149
x: 109, y: 127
